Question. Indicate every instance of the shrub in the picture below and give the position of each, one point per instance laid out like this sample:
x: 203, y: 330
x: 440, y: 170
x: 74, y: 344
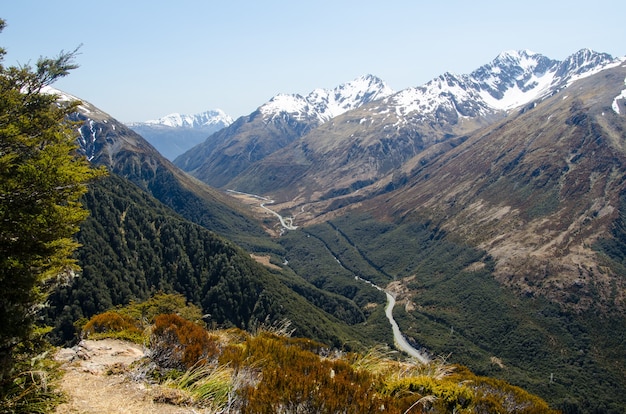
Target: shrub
x: 113, y: 325
x: 443, y: 395
x: 34, y: 384
x: 203, y: 385
x: 161, y: 304
x: 180, y: 344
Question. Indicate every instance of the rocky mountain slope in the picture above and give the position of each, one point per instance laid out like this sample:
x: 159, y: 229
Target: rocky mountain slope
x: 106, y: 141
x: 361, y: 146
x: 175, y: 133
x: 152, y: 227
x: 273, y: 126
x: 536, y: 191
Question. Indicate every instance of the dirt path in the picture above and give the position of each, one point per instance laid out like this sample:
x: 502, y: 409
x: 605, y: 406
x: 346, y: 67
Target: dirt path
x: 96, y: 381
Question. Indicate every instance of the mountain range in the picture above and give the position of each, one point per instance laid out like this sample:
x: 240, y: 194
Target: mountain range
x: 376, y: 137
x: 273, y: 126
x: 176, y: 133
x: 492, y: 204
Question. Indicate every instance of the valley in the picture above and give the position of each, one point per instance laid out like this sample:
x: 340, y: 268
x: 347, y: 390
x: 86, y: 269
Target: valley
x: 287, y: 224
x: 494, y: 225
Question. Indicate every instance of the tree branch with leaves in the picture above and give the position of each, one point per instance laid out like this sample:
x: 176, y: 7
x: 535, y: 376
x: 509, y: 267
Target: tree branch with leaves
x: 42, y: 178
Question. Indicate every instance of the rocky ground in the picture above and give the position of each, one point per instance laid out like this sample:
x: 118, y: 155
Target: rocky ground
x: 97, y: 380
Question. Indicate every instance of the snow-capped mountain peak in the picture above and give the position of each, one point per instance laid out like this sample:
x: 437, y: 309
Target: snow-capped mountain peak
x: 211, y: 118
x: 522, y: 57
x: 585, y: 63
x: 175, y: 133
x: 511, y: 80
x: 324, y: 104
x: 293, y: 104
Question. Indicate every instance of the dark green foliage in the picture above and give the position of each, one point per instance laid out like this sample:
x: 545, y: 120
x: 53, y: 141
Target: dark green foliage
x: 133, y: 246
x: 336, y: 305
x: 461, y: 311
x: 311, y: 259
x: 322, y: 255
x: 41, y: 181
x: 135, y: 160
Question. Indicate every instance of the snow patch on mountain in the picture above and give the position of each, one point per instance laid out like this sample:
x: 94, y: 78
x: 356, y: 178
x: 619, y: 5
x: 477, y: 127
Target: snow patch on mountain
x: 516, y: 96
x: 621, y: 96
x: 324, y: 104
x: 297, y: 105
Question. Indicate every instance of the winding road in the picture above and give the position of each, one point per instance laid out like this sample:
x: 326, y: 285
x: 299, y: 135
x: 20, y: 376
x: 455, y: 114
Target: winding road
x: 287, y: 222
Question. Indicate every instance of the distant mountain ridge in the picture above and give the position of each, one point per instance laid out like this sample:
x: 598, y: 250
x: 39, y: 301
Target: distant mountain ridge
x: 175, y: 133
x: 211, y: 118
x: 273, y: 126
x: 325, y: 104
x: 511, y: 80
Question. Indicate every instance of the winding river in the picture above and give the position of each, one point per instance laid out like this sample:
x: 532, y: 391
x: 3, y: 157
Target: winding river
x: 287, y: 222
x: 399, y: 340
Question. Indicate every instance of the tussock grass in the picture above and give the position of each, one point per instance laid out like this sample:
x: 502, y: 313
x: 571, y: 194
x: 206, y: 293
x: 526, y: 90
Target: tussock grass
x: 34, y: 390
x: 204, y: 385
x: 268, y: 370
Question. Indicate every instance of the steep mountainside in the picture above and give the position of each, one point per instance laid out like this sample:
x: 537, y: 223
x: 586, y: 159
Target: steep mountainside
x: 106, y: 141
x: 133, y: 246
x: 362, y: 145
x: 535, y: 191
x: 153, y: 228
x: 174, y: 134
x: 273, y: 126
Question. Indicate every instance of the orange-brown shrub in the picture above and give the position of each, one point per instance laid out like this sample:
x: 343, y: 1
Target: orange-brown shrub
x: 181, y: 344
x: 293, y: 378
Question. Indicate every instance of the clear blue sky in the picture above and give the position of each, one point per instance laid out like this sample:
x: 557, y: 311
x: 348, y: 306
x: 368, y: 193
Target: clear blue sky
x: 142, y: 59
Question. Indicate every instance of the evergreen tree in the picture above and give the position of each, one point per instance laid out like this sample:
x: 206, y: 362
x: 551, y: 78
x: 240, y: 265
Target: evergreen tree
x: 41, y: 181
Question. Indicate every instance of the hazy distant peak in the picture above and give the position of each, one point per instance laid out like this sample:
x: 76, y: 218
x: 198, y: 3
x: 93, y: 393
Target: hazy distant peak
x: 211, y: 118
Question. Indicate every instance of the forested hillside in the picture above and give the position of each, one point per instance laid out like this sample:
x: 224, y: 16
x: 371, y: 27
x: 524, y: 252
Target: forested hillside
x: 133, y: 246
x: 450, y: 303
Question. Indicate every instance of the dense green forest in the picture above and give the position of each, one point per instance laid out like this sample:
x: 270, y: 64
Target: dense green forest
x: 133, y: 246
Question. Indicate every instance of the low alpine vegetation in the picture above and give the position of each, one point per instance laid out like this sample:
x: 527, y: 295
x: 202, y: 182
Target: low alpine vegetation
x: 269, y: 371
